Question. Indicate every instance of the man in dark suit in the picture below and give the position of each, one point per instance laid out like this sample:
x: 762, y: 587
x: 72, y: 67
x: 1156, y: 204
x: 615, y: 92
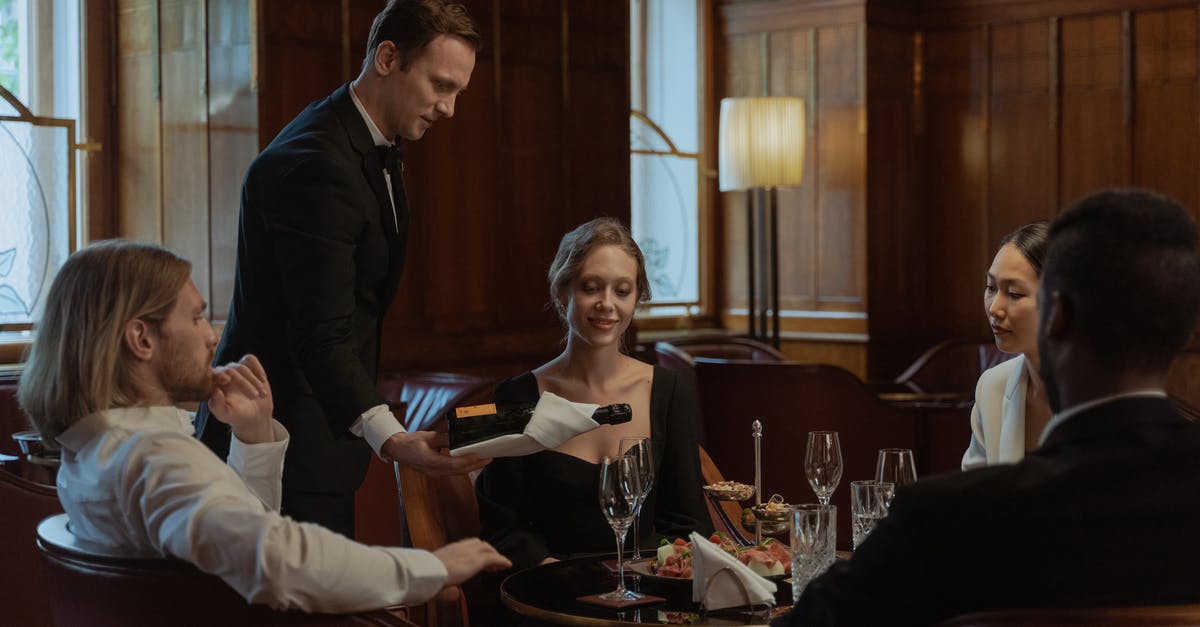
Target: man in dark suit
x: 1105, y: 512
x: 321, y: 244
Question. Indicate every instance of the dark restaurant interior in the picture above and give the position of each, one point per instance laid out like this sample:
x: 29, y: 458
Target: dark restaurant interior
x: 847, y: 299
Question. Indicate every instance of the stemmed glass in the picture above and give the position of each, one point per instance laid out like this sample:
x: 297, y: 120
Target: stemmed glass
x: 895, y: 466
x: 620, y: 497
x: 638, y: 450
x: 823, y: 463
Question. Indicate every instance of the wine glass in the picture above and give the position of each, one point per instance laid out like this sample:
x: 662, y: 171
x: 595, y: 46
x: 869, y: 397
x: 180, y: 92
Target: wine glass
x: 620, y: 497
x: 895, y: 466
x: 638, y: 449
x: 823, y: 463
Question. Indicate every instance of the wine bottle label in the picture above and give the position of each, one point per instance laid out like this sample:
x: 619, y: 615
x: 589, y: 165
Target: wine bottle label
x: 475, y: 410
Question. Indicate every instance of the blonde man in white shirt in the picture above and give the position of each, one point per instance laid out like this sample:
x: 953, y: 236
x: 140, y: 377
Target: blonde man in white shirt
x: 122, y: 340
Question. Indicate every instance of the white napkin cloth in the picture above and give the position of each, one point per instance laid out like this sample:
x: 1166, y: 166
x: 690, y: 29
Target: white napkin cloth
x: 708, y: 562
x: 555, y: 420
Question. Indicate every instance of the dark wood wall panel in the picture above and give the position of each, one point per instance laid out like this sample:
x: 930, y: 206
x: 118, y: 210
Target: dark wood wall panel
x: 539, y: 144
x: 896, y: 224
x: 300, y: 58
x: 1166, y: 132
x: 956, y: 183
x: 841, y: 169
x: 1096, y: 122
x: 1022, y: 129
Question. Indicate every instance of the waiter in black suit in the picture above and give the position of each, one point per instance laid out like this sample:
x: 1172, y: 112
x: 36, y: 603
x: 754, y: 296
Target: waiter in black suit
x: 321, y: 244
x: 1105, y: 513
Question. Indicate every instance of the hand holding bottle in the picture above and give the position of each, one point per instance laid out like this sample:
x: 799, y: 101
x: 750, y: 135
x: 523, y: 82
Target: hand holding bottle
x: 425, y: 452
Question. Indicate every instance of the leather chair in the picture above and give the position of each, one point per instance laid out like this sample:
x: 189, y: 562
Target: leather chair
x: 727, y: 347
x: 94, y: 585
x: 419, y: 399
x: 680, y: 355
x: 792, y: 399
x: 23, y: 596
x: 1148, y: 616
x: 435, y: 511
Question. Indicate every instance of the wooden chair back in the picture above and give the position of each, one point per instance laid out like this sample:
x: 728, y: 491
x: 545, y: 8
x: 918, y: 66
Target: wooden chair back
x: 952, y: 365
x: 792, y: 399
x: 438, y: 510
x: 97, y: 586
x: 680, y: 355
x: 726, y: 516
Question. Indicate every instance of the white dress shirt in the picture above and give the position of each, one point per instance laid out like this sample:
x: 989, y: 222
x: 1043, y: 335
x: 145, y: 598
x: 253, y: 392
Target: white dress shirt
x: 137, y: 479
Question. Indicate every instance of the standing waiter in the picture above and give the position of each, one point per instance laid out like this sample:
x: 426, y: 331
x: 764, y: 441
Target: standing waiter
x: 321, y: 243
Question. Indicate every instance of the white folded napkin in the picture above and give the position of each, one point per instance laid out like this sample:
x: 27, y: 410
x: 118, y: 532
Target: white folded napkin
x: 555, y: 420
x: 710, y: 563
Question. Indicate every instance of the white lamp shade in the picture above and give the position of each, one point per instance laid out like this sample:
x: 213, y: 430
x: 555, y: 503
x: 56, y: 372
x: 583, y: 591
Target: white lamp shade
x: 761, y: 143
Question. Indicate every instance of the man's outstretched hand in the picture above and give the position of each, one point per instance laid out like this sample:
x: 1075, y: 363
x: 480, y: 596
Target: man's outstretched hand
x: 465, y: 558
x: 426, y: 452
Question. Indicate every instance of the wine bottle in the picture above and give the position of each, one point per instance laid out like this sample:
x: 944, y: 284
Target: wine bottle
x: 468, y: 425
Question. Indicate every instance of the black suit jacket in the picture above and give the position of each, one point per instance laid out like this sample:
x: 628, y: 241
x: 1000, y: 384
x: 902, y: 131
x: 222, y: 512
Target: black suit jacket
x: 319, y: 259
x: 1104, y: 514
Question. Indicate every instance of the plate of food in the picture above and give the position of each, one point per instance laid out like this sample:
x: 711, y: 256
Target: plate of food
x: 771, y: 559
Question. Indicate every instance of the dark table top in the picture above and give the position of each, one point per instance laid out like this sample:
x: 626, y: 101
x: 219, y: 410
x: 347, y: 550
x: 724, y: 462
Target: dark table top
x: 548, y: 594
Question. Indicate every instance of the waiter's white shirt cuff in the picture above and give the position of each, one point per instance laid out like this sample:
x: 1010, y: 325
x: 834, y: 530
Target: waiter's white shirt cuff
x: 375, y: 426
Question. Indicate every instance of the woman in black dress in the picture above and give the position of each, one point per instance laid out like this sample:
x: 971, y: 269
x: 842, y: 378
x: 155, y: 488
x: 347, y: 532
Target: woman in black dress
x: 544, y: 506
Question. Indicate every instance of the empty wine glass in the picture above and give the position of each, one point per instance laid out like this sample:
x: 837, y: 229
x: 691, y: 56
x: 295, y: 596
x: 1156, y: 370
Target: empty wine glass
x: 895, y: 466
x: 823, y: 463
x: 620, y: 496
x: 638, y: 449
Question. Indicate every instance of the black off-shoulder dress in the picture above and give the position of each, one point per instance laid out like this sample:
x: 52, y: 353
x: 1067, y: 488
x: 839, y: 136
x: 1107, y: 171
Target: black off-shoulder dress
x: 546, y: 504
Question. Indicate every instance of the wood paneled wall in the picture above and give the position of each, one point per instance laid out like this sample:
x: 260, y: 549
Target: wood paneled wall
x: 980, y: 116
x: 539, y: 144
x: 186, y: 129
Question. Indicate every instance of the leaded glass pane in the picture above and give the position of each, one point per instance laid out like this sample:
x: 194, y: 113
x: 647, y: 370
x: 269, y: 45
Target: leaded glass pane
x: 34, y: 215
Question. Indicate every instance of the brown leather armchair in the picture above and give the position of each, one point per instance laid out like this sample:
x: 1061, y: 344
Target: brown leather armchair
x: 680, y: 355
x: 96, y: 586
x: 23, y: 596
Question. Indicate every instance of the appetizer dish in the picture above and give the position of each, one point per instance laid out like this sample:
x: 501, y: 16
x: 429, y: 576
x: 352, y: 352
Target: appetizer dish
x: 774, y: 510
x: 769, y: 559
x: 729, y: 491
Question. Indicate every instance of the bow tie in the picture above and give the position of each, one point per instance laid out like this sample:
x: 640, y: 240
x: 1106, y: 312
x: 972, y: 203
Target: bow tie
x: 390, y: 156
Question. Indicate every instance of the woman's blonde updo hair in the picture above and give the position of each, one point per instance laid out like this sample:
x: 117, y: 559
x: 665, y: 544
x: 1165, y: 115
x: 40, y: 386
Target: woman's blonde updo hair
x: 576, y: 245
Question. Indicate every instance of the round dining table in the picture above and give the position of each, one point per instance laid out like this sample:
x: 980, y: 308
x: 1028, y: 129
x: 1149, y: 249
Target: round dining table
x: 549, y: 595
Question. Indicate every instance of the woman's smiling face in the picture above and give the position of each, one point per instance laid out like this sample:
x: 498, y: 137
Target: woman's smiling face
x: 603, y: 297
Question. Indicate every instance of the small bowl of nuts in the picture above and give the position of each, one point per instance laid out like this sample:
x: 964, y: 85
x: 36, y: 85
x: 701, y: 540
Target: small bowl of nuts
x: 729, y: 491
x: 772, y: 516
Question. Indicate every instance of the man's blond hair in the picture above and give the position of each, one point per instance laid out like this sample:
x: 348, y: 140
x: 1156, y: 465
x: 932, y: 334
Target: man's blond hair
x: 78, y: 363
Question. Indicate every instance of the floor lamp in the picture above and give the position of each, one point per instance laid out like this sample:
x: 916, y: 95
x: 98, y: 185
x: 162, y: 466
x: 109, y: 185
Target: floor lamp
x: 761, y: 150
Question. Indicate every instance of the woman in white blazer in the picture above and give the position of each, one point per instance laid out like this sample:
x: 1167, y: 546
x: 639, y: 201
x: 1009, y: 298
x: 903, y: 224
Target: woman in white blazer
x: 1011, y: 409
